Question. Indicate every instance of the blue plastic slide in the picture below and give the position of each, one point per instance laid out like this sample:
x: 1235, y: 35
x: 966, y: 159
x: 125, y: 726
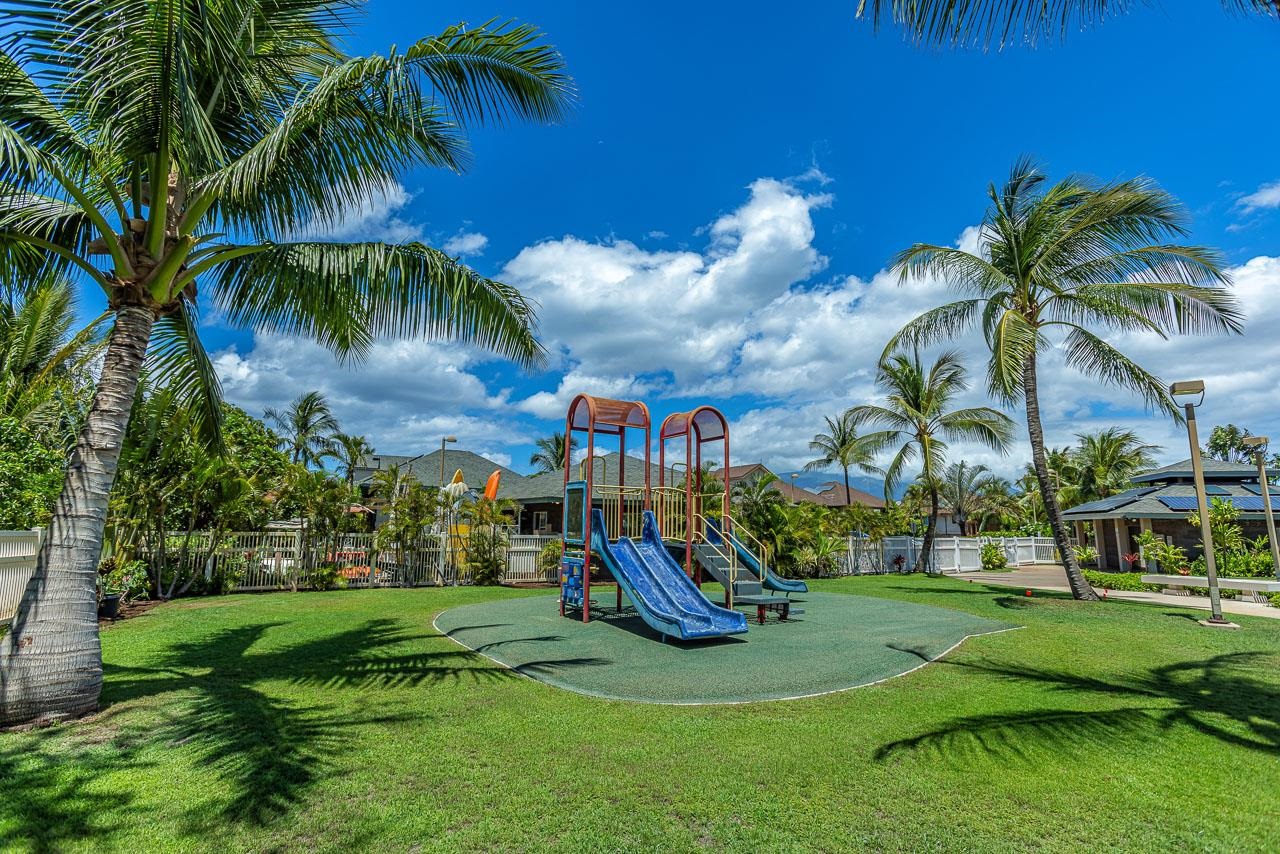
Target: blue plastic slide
x: 666, y: 598
x: 770, y: 581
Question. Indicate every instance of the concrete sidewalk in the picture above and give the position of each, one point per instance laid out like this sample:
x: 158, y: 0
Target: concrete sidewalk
x: 1054, y: 577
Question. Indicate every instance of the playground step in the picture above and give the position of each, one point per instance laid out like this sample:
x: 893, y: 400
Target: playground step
x: 717, y: 566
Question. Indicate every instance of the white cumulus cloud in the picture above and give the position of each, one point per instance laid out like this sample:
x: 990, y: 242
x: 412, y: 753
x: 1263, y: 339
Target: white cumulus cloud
x: 466, y: 244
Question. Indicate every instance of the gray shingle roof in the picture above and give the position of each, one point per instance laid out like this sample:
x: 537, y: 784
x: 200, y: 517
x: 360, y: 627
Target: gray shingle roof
x: 1213, y: 470
x: 1144, y: 503
x: 550, y: 485
x: 426, y: 468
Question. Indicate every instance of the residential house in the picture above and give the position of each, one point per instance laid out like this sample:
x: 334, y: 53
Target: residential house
x: 1160, y: 501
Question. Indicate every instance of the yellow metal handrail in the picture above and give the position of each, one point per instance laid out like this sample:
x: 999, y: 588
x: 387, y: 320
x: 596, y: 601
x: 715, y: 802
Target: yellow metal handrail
x: 700, y: 532
x: 671, y: 511
x: 730, y: 528
x: 623, y: 508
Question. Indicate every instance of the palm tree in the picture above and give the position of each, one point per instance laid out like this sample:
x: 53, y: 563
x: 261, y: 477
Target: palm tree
x: 1003, y: 22
x: 995, y: 501
x: 1103, y: 462
x: 190, y: 147
x: 841, y: 445
x: 551, y: 452
x: 44, y: 368
x: 307, y: 429
x: 916, y: 416
x: 962, y: 488
x: 1063, y: 259
x: 349, y: 451
x: 758, y: 504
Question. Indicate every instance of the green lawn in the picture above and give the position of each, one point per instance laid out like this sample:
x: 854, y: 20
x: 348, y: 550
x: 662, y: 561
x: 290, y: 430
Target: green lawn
x: 331, y: 721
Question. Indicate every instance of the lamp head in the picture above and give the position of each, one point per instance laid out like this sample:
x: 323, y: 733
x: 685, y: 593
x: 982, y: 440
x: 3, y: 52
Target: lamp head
x: 1187, y: 387
x: 449, y: 439
x: 1255, y: 442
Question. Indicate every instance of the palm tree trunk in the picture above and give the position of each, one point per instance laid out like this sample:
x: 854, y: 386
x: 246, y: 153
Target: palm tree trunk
x: 1080, y: 588
x: 926, y: 546
x: 51, y: 659
x: 848, y: 496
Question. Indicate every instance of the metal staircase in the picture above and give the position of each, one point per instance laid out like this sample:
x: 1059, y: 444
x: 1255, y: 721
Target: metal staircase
x: 732, y: 576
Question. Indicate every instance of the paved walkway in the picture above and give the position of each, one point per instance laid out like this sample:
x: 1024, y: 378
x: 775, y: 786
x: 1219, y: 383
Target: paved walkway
x: 1053, y: 577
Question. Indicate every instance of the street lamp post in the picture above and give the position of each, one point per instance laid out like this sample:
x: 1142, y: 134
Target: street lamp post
x: 1259, y: 445
x: 446, y: 539
x: 449, y: 439
x: 1187, y: 389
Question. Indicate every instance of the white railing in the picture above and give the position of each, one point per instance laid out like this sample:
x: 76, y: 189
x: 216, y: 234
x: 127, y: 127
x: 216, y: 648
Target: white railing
x: 18, y: 550
x: 522, y: 560
x: 950, y: 554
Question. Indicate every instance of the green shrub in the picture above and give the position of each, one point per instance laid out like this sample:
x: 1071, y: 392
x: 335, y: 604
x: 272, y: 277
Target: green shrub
x: 1086, y: 555
x: 1275, y: 600
x: 993, y: 557
x: 127, y: 578
x: 549, y: 558
x: 327, y: 577
x: 1118, y: 580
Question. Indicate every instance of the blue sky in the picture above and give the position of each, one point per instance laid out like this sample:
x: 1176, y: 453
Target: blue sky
x: 712, y: 223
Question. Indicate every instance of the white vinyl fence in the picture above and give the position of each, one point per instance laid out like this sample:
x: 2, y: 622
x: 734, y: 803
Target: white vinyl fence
x: 18, y: 551
x: 276, y: 560
x: 950, y: 554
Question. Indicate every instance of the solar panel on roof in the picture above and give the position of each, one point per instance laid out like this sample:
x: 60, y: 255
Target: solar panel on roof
x: 1244, y: 503
x: 1180, y: 503
x: 1255, y: 488
x: 1214, y: 489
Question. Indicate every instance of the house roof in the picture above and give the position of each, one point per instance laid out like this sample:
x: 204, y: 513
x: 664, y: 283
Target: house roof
x: 549, y: 486
x: 836, y: 497
x: 1144, y: 502
x: 737, y: 473
x: 1213, y: 470
x: 426, y: 467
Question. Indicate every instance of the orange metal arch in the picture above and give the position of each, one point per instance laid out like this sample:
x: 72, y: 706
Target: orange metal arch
x: 605, y: 416
x: 698, y: 427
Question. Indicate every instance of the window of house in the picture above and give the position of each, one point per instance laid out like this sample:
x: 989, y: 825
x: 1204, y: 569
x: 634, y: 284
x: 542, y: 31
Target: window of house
x: 540, y: 521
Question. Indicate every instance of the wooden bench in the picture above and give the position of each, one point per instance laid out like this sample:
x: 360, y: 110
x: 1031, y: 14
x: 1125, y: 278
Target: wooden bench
x: 1260, y: 588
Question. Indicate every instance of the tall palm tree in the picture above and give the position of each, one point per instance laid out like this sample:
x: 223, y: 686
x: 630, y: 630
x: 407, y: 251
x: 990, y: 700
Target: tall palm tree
x: 1072, y: 258
x: 842, y: 446
x: 917, y: 417
x: 962, y: 486
x: 307, y: 429
x: 349, y: 451
x: 1003, y: 22
x: 189, y: 145
x: 551, y: 452
x: 1104, y: 461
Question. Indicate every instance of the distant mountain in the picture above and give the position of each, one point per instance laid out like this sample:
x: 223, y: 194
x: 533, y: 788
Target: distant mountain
x: 814, y: 481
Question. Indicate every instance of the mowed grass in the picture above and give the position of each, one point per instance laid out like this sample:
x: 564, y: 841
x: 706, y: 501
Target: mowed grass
x: 335, y: 721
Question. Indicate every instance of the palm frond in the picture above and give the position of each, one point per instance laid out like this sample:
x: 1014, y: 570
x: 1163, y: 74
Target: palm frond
x: 344, y: 293
x: 177, y: 361
x: 1100, y: 361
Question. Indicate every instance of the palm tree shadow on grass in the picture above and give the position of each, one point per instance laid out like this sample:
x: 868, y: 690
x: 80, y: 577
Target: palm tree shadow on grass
x: 1222, y: 697
x: 265, y: 749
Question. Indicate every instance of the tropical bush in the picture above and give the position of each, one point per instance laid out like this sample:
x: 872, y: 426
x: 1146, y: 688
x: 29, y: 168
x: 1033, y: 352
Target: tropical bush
x: 1086, y: 555
x: 328, y: 577
x: 1235, y: 555
x: 993, y: 557
x: 128, y: 578
x: 30, y: 477
x: 549, y: 558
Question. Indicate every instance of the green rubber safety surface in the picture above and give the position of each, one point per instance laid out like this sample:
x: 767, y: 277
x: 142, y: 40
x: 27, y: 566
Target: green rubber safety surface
x: 841, y: 641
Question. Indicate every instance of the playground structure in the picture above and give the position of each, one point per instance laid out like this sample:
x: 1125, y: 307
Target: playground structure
x: 650, y: 522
